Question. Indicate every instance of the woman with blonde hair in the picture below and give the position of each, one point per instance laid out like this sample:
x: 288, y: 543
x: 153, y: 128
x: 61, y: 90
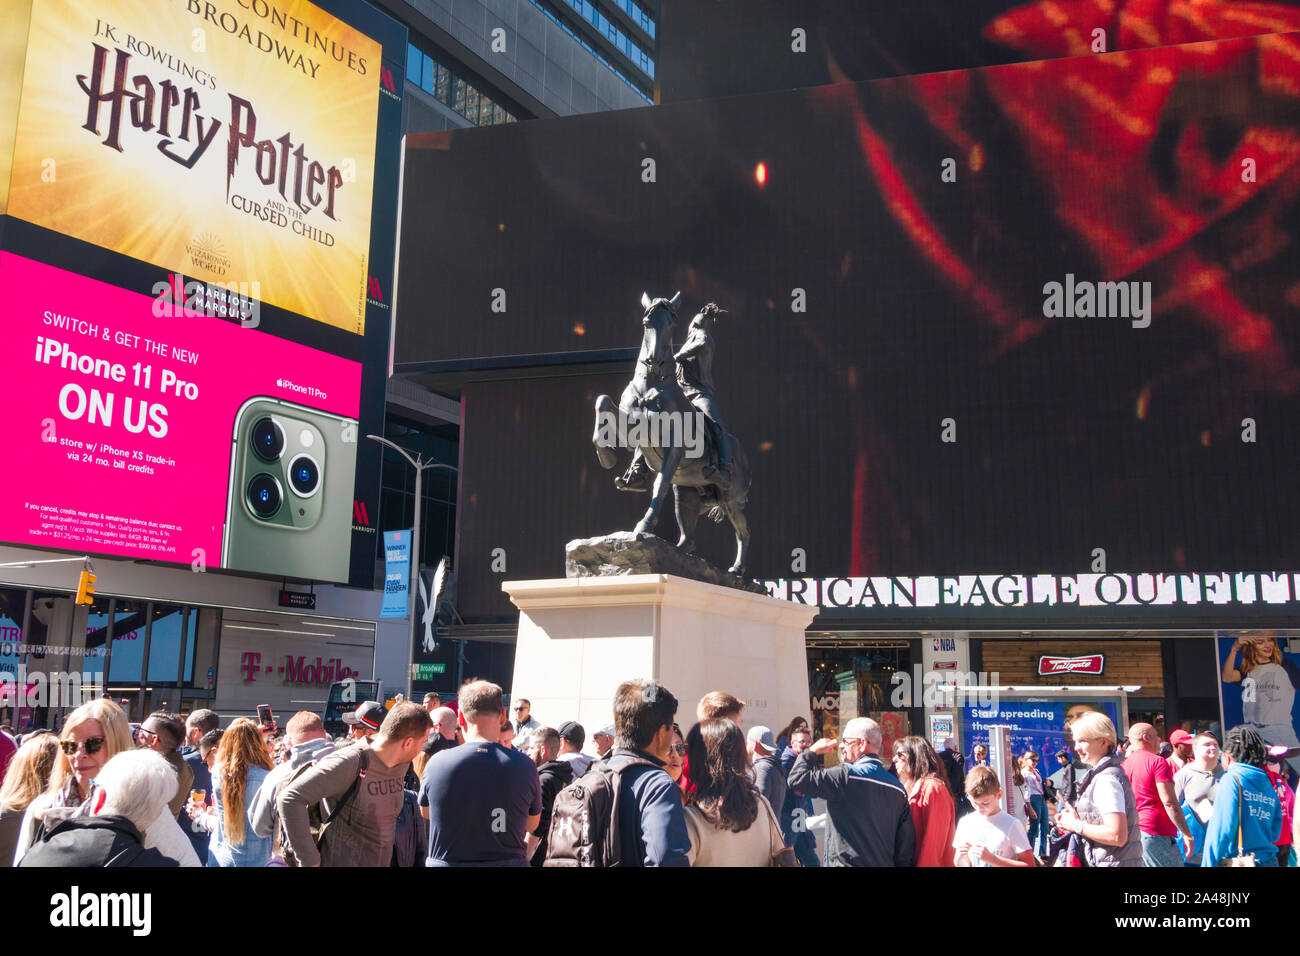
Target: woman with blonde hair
x: 1103, y: 822
x: 241, y: 766
x: 26, y: 778
x: 93, y: 734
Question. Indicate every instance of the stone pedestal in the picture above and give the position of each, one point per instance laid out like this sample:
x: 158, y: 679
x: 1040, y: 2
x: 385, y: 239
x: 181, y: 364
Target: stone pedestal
x: 579, y: 638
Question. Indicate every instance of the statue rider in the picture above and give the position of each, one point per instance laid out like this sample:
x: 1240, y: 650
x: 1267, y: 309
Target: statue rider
x: 695, y: 376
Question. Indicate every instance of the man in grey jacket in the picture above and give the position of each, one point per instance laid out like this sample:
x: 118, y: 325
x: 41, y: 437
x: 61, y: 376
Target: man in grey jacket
x: 768, y: 775
x: 308, y: 741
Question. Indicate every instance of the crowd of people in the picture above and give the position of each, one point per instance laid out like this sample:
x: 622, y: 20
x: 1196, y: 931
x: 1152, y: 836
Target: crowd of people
x: 426, y: 785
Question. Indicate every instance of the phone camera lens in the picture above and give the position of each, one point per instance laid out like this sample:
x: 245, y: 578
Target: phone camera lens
x: 304, y: 476
x: 264, y: 495
x: 268, y: 439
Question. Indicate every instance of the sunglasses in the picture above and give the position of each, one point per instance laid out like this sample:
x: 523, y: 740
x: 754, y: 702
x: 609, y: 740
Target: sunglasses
x: 92, y: 745
x: 679, y: 749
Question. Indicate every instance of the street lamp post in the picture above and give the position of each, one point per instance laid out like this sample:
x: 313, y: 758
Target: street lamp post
x: 420, y: 465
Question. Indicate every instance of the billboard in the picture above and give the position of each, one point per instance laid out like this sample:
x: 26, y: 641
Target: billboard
x: 1259, y: 673
x: 775, y: 44
x: 199, y: 226
x: 1019, y: 320
x: 1038, y: 724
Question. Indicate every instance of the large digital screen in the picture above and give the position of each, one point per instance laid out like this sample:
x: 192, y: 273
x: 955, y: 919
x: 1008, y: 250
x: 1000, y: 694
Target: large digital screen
x: 1029, y: 319
x: 198, y: 235
x: 778, y: 44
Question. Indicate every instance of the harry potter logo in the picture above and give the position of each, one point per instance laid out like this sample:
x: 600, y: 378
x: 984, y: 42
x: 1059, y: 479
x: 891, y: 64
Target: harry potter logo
x: 279, y: 162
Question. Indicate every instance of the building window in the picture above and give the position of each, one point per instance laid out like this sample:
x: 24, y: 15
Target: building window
x: 453, y: 90
x: 648, y: 66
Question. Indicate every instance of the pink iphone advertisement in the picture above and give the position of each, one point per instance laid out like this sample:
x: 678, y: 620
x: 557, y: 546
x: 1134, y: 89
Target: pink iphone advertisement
x: 178, y: 437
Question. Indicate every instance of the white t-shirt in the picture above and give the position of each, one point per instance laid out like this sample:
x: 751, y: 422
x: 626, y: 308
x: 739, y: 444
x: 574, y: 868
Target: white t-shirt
x: 1001, y: 833
x: 1273, y: 698
x: 1033, y: 783
x: 1107, y: 794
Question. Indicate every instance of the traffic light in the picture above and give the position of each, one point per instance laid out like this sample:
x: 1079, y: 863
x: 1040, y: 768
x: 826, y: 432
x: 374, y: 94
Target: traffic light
x: 86, y: 587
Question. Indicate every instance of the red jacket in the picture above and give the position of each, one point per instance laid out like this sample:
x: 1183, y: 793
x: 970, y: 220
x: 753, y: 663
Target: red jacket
x: 935, y: 817
x: 1287, y: 797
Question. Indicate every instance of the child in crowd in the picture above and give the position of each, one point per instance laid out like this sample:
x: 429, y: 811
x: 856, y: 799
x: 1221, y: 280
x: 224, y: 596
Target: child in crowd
x: 990, y: 836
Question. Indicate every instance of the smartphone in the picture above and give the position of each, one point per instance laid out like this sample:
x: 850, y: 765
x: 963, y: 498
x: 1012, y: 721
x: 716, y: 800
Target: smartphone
x: 264, y: 716
x: 289, y: 498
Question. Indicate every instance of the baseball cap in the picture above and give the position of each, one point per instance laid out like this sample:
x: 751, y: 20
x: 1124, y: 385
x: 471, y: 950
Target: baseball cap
x: 762, y: 736
x: 370, y: 714
x: 1180, y: 736
x: 607, y: 731
x: 572, y: 731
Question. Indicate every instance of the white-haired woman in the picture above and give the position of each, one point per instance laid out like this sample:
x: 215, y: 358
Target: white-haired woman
x: 1104, y: 815
x: 131, y: 793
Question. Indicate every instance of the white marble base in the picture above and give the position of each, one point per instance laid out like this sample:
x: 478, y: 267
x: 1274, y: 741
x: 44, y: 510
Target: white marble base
x: 579, y: 638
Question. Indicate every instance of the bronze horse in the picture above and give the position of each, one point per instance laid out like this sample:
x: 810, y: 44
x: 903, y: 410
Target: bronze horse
x: 698, y: 486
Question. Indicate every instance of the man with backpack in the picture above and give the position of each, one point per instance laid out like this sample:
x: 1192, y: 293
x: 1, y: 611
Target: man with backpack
x: 554, y: 775
x: 481, y: 799
x: 649, y: 827
x: 358, y: 792
x: 308, y: 742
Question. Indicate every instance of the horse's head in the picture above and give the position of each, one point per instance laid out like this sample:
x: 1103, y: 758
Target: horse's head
x: 657, y: 340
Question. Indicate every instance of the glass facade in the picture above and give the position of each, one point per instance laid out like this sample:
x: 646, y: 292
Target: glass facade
x: 438, y: 491
x: 639, y: 15
x: 622, y: 42
x: 44, y: 673
x: 452, y: 87
x: 648, y: 68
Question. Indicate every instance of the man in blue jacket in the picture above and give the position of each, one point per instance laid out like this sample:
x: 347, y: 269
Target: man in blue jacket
x: 798, y: 807
x: 1245, y: 802
x: 651, y: 824
x: 871, y: 824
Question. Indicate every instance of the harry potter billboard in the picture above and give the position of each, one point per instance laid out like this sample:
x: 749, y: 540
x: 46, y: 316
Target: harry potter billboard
x: 198, y: 228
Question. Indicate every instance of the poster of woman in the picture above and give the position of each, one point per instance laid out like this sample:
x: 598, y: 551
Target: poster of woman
x: 1260, y: 673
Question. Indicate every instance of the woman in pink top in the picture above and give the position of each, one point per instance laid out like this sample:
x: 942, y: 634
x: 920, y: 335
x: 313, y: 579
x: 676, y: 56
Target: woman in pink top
x: 934, y: 813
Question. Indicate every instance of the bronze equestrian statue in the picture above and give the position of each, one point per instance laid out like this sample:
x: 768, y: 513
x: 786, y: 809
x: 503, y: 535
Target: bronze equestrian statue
x: 667, y: 390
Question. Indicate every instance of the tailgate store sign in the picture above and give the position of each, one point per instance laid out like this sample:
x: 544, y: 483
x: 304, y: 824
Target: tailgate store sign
x: 1091, y: 664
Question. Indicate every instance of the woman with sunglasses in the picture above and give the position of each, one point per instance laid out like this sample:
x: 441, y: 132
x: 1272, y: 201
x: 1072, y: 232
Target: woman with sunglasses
x: 92, y: 735
x: 934, y: 812
x: 676, y: 756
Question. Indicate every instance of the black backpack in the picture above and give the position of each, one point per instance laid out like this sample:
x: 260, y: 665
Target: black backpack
x: 584, y: 821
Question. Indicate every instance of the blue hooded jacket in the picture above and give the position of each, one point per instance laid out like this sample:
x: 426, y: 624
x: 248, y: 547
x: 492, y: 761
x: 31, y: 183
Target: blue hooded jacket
x: 1261, y: 818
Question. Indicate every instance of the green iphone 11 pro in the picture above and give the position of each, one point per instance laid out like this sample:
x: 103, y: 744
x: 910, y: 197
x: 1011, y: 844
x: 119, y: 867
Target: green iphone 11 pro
x: 289, y: 504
